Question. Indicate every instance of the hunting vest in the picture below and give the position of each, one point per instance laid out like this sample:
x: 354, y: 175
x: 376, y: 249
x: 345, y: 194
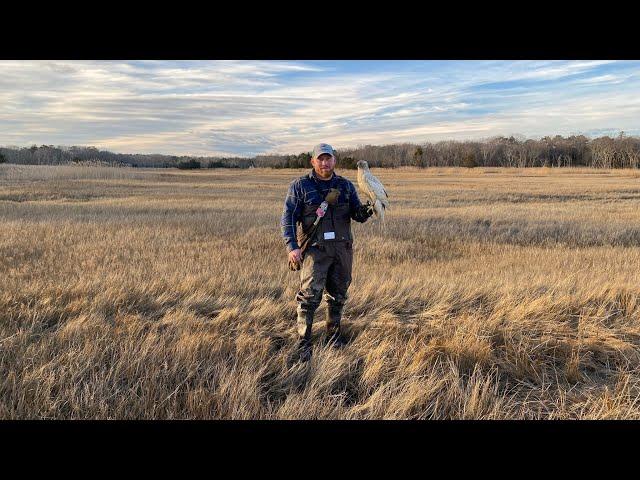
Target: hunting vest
x: 337, y: 219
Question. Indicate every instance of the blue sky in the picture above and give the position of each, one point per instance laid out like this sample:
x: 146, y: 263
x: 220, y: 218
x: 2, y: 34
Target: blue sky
x: 246, y: 108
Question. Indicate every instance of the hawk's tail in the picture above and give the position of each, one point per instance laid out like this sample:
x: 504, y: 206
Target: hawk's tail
x: 379, y: 208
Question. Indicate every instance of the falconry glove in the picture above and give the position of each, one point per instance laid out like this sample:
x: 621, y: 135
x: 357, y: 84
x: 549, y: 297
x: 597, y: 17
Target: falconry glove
x: 365, y: 210
x: 369, y: 208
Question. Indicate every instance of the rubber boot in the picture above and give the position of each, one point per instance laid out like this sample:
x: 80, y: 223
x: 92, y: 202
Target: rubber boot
x: 304, y: 325
x: 334, y: 318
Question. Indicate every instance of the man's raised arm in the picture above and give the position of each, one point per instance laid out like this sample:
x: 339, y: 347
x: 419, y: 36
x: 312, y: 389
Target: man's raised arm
x: 359, y: 212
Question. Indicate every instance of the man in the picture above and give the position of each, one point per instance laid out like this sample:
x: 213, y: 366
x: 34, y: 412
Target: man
x: 326, y: 263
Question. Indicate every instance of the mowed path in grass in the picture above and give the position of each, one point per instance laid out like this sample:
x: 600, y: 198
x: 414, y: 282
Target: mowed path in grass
x: 488, y: 293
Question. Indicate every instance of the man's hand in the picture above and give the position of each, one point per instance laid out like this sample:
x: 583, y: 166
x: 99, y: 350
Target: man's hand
x: 363, y: 212
x: 295, y: 256
x: 369, y: 208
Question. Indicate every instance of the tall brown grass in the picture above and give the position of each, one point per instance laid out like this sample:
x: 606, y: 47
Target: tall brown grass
x: 153, y: 294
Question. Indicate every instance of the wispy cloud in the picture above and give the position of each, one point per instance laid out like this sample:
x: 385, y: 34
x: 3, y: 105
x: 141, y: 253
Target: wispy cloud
x: 247, y: 108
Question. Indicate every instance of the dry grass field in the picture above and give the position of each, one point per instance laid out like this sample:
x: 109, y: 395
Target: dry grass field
x: 155, y: 294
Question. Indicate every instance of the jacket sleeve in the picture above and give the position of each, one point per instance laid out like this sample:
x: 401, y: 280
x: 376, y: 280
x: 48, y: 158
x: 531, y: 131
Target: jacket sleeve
x: 290, y: 216
x: 358, y: 211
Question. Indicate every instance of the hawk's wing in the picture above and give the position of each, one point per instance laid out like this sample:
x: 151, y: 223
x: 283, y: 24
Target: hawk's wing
x: 364, y: 186
x: 376, y: 189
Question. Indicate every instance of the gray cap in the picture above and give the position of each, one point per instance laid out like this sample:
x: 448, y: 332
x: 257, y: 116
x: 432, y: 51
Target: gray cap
x: 322, y: 148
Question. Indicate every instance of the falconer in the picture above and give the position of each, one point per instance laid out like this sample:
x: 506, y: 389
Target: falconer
x: 325, y: 263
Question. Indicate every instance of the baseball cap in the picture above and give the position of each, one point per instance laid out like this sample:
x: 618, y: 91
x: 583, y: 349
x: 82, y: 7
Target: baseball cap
x: 322, y: 148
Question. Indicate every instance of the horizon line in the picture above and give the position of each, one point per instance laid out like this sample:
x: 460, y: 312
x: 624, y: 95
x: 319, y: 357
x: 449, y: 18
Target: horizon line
x: 515, y: 136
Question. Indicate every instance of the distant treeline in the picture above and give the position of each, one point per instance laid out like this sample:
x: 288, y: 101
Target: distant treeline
x: 622, y: 151
x: 604, y: 152
x: 57, y: 155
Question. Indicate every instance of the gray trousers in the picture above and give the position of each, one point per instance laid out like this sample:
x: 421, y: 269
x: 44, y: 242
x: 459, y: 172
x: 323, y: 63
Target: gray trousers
x: 324, y: 267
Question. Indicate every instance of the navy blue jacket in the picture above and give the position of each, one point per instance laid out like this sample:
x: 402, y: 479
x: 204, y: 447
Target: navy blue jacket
x: 310, y: 190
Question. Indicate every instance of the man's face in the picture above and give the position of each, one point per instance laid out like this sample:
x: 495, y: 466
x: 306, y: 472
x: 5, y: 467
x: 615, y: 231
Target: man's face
x: 324, y: 165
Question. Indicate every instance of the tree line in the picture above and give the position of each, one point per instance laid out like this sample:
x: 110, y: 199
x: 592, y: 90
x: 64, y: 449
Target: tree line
x: 60, y: 155
x: 621, y: 151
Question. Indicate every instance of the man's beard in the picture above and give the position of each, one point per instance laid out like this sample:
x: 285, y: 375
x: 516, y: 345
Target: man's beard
x: 327, y: 173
